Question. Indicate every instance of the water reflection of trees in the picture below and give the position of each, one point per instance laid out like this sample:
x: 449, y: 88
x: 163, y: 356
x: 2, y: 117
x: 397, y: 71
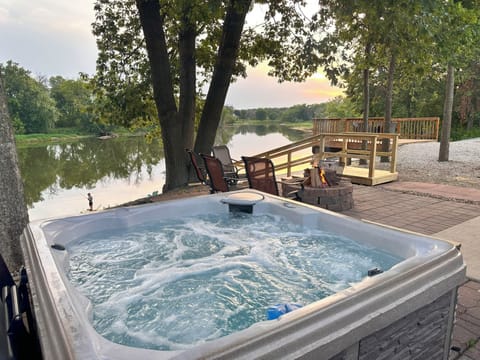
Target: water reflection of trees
x: 84, y: 163
x: 225, y: 133
x: 49, y: 169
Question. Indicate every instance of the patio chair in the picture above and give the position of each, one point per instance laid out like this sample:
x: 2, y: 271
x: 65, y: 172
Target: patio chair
x: 217, y: 180
x: 17, y: 327
x: 261, y: 176
x: 199, y: 170
x: 222, y: 153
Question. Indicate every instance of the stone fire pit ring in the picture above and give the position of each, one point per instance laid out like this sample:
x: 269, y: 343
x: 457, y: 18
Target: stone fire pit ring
x: 336, y: 198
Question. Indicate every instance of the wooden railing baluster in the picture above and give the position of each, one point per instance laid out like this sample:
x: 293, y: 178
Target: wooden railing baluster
x: 426, y: 128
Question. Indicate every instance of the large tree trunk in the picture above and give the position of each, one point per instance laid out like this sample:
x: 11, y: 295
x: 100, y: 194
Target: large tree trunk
x: 388, y: 107
x: 170, y: 121
x: 366, y: 99
x: 366, y: 91
x: 222, y: 74
x: 13, y: 212
x: 447, y: 116
x: 186, y: 104
x: 187, y: 68
x: 178, y: 126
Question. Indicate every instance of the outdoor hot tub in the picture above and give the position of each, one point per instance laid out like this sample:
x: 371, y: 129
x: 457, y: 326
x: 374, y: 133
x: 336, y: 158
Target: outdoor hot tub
x: 400, y: 306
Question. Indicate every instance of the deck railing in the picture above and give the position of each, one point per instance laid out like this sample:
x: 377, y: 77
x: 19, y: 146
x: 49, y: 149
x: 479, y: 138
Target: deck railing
x: 425, y: 128
x: 334, y: 145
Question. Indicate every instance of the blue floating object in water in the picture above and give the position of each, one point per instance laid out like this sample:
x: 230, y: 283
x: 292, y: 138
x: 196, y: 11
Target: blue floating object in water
x: 274, y: 312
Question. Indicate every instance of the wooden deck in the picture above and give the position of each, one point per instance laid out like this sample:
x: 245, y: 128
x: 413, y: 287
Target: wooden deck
x: 411, y: 141
x: 359, y: 175
x: 295, y: 157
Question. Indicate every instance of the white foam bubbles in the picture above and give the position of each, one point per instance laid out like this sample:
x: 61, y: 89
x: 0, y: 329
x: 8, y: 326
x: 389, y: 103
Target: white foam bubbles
x: 177, y: 283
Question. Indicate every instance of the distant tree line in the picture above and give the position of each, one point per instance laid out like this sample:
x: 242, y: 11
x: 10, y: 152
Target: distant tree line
x: 337, y: 107
x: 40, y: 105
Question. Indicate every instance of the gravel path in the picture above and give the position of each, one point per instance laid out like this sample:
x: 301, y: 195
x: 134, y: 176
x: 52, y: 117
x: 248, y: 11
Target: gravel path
x: 419, y: 162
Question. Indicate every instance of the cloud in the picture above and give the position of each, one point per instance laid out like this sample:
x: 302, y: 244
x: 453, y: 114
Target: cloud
x: 50, y: 14
x: 48, y: 37
x: 260, y: 90
x: 4, y: 15
x: 53, y: 37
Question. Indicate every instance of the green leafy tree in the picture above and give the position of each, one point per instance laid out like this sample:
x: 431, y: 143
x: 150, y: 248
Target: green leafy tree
x: 371, y: 43
x: 458, y: 33
x: 468, y: 95
x: 241, y: 114
x: 261, y: 114
x: 174, y: 49
x: 297, y: 113
x: 273, y: 113
x: 31, y: 108
x: 73, y: 100
x: 348, y: 44
x: 376, y: 44
x: 228, y: 116
x: 340, y: 107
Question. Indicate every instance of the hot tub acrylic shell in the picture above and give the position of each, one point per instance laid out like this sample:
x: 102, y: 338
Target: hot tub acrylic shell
x: 431, y: 269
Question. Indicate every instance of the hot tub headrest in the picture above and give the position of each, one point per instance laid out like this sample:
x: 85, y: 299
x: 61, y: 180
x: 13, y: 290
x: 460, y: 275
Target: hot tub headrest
x: 243, y: 198
x: 242, y: 202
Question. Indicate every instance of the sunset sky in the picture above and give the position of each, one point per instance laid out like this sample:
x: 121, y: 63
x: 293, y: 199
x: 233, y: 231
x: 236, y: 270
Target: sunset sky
x: 53, y: 37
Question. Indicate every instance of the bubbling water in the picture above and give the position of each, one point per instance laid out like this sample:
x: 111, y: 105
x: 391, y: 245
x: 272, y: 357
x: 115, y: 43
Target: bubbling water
x: 177, y: 283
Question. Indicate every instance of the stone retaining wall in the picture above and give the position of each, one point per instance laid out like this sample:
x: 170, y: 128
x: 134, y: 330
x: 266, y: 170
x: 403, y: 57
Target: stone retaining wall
x: 335, y: 198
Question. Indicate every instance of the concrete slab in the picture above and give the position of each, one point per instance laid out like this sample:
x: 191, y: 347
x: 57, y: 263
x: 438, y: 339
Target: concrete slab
x: 447, y: 212
x: 439, y: 190
x: 467, y: 234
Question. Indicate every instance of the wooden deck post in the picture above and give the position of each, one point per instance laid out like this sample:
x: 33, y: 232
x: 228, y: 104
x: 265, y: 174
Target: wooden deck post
x: 322, y: 147
x: 289, y: 161
x: 393, y: 158
x: 373, y: 154
x: 343, y: 159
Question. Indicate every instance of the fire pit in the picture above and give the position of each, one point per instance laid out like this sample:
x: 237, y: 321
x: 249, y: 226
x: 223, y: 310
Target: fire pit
x: 322, y: 188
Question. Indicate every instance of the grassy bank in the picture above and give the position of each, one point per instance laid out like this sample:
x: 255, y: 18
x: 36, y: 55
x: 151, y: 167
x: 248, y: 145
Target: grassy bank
x: 28, y: 139
x: 61, y: 136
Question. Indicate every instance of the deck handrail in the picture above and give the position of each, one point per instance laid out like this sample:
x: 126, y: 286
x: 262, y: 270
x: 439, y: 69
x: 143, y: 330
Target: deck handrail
x: 293, y: 155
x: 422, y: 128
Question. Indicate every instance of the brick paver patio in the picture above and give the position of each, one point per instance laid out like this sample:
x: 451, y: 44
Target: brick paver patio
x: 389, y: 205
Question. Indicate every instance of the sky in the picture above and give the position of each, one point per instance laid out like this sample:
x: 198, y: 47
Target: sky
x: 53, y: 37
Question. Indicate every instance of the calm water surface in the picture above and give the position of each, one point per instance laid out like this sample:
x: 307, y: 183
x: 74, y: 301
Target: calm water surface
x: 57, y: 178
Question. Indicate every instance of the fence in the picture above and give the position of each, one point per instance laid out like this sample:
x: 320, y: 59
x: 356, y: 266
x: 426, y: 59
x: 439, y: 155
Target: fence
x: 425, y: 128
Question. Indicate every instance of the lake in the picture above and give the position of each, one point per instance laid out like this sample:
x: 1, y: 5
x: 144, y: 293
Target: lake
x: 58, y: 177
